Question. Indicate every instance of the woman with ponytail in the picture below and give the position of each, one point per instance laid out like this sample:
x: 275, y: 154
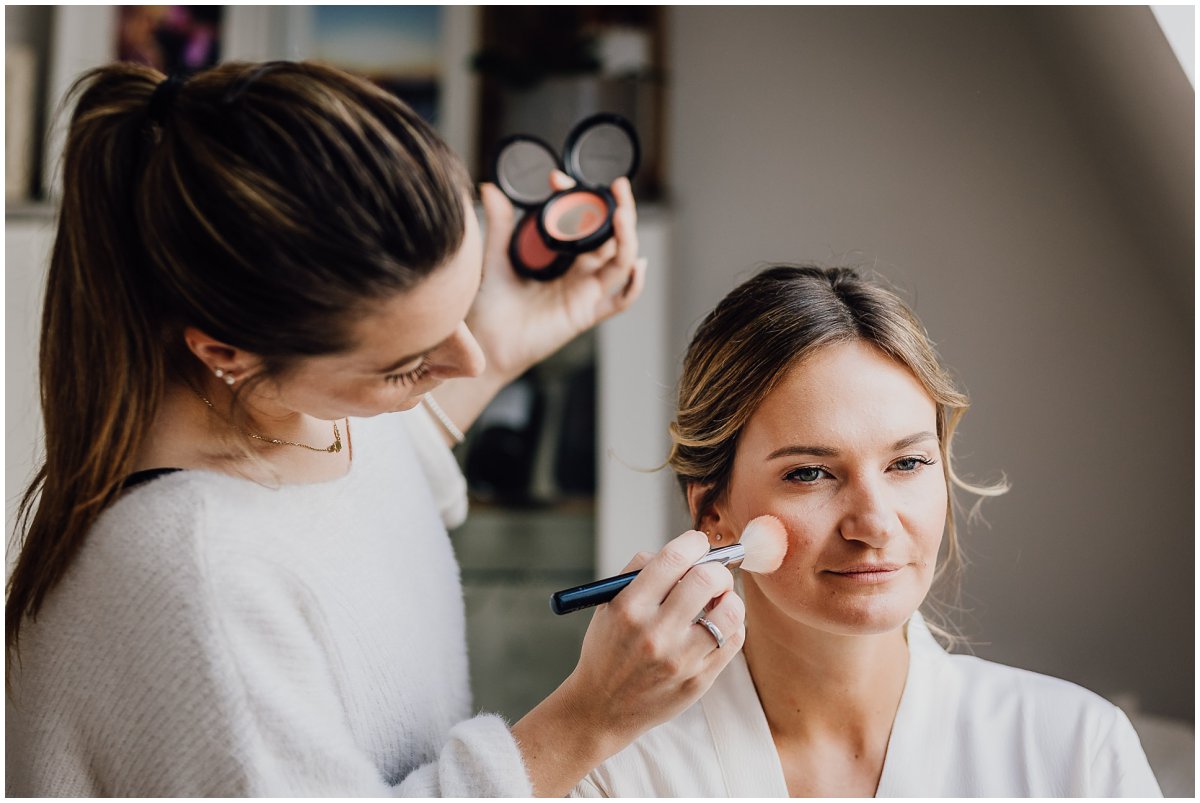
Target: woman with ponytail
x: 269, y: 310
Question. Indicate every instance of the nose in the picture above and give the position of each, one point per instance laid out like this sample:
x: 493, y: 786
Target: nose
x: 461, y: 354
x: 871, y: 517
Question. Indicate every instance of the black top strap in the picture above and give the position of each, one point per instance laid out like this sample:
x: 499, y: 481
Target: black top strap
x: 145, y: 475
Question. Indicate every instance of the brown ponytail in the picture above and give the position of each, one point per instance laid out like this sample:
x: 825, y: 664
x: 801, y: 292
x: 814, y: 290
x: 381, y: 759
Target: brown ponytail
x: 265, y: 205
x: 97, y: 392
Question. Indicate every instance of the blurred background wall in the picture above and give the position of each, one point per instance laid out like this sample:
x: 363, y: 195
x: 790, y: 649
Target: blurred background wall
x: 1024, y: 176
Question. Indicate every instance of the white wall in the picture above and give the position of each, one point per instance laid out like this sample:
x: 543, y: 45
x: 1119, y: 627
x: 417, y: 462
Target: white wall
x: 27, y: 242
x: 935, y: 145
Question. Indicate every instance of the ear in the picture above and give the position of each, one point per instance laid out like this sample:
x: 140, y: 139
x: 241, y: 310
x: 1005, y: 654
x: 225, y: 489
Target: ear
x: 216, y: 355
x: 710, y: 520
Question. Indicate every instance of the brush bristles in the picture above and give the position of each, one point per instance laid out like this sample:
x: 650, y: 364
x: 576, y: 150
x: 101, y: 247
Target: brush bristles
x: 765, y: 539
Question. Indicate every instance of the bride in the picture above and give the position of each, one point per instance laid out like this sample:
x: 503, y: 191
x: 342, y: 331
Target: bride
x: 816, y: 396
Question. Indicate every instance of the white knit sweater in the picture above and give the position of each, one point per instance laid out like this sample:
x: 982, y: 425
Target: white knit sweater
x: 218, y: 638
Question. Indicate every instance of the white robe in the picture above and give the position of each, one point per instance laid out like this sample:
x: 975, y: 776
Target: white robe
x: 965, y: 728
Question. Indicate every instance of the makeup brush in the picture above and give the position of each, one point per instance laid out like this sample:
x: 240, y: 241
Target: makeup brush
x: 760, y: 549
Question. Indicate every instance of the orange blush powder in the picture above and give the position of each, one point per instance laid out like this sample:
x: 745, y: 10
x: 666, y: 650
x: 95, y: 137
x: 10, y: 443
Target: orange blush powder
x: 576, y: 216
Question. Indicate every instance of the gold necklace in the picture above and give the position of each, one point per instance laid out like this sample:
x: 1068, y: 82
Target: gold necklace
x: 332, y: 448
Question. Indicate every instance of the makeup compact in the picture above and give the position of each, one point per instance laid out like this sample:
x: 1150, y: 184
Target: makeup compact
x: 557, y: 226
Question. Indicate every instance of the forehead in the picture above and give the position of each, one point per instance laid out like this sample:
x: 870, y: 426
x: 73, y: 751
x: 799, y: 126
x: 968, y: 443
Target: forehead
x: 419, y: 318
x: 846, y: 395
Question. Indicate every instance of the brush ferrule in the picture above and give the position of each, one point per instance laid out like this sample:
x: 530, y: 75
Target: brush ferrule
x: 729, y: 556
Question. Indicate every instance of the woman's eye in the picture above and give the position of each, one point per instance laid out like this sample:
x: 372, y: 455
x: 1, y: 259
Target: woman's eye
x: 910, y: 464
x: 806, y: 474
x: 409, y: 377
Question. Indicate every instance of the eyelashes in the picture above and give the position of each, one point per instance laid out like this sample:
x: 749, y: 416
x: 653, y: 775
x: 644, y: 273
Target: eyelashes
x: 809, y: 475
x: 410, y: 377
x: 923, y: 461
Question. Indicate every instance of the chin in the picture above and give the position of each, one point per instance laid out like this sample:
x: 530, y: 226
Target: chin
x: 845, y: 611
x: 866, y: 617
x: 407, y: 404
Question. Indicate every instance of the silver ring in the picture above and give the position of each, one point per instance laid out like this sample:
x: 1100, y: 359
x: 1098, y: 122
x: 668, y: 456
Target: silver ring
x: 713, y: 630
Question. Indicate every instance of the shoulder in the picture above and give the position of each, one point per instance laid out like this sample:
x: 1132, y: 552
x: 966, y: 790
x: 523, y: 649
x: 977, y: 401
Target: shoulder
x: 154, y: 528
x: 1066, y: 739
x: 159, y: 571
x: 980, y: 688
x: 991, y: 687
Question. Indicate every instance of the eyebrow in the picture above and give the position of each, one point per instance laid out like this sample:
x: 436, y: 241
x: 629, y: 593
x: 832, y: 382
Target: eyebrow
x: 829, y: 451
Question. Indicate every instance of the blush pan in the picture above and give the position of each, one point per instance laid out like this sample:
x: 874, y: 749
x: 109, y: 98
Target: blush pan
x: 578, y: 220
x: 530, y: 255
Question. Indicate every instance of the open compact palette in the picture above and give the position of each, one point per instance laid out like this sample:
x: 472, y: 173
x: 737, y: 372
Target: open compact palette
x: 557, y: 226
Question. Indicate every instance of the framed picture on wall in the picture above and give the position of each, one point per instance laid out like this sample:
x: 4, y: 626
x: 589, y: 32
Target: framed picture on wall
x: 396, y: 47
x: 421, y: 53
x: 172, y: 39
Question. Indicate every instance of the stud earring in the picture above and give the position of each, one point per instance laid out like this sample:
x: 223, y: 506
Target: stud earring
x: 719, y: 536
x: 220, y: 374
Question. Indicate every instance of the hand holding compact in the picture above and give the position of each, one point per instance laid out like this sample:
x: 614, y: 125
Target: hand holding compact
x: 560, y: 222
x: 519, y: 322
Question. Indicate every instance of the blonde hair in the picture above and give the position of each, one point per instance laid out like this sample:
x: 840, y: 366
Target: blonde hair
x: 745, y: 346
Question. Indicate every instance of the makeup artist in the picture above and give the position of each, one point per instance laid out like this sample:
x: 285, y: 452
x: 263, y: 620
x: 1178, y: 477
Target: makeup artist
x: 235, y: 577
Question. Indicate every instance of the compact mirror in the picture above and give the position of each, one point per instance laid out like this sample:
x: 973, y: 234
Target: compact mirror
x: 558, y: 225
x: 523, y: 170
x: 601, y: 149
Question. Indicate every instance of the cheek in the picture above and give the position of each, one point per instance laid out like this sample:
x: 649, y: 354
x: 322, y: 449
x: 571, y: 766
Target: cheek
x: 925, y: 517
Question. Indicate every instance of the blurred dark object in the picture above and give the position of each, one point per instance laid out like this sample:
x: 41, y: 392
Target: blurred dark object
x: 172, y: 39
x: 564, y: 47
x: 544, y: 68
x: 503, y: 450
x: 575, y: 461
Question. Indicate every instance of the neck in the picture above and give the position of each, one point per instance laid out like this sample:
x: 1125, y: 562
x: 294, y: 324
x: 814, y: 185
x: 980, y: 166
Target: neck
x: 817, y: 686
x: 189, y: 433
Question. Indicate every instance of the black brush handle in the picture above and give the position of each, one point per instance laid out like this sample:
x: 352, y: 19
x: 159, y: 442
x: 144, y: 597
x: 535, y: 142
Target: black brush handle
x: 598, y: 592
x: 589, y: 594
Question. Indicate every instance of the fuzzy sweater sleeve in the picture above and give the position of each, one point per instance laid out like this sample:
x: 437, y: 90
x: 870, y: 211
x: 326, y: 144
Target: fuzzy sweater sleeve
x: 147, y: 679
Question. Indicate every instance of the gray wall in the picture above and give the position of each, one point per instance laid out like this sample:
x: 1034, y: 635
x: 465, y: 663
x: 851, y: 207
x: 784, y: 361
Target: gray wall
x: 973, y: 157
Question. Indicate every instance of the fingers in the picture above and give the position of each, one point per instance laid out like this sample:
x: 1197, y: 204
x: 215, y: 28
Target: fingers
x: 623, y: 284
x: 625, y: 222
x: 637, y: 563
x: 622, y: 248
x: 728, y: 614
x: 659, y: 576
x: 621, y: 288
x: 498, y: 216
x: 592, y: 260
x: 633, y: 286
x: 695, y: 590
x: 560, y: 181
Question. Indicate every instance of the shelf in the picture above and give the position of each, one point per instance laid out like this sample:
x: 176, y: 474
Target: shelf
x: 29, y: 210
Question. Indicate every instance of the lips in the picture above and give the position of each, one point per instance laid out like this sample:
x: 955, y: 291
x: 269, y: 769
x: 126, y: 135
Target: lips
x: 867, y: 573
x: 862, y: 568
